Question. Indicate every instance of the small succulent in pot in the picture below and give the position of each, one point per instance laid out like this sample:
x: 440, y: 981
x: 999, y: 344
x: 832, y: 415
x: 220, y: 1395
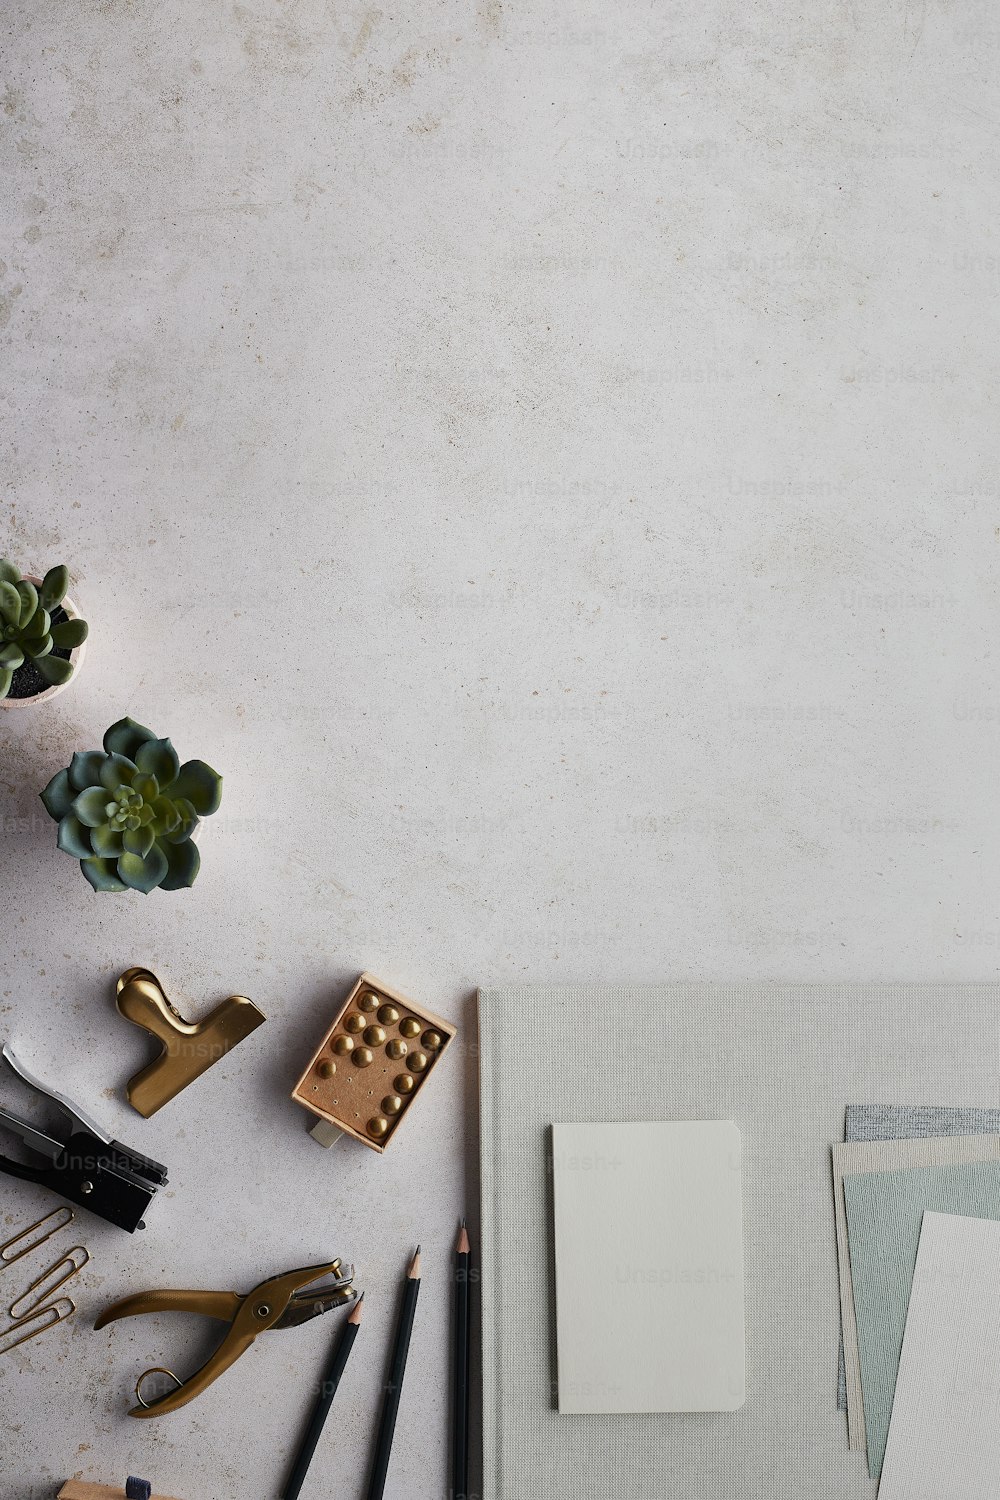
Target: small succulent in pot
x: 128, y: 812
x: 41, y: 634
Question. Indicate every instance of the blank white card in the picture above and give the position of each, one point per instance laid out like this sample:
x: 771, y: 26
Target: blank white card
x: 649, y: 1267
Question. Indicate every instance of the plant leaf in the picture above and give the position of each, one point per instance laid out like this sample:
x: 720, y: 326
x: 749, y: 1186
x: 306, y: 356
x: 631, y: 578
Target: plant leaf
x: 85, y: 769
x: 126, y: 736
x: 6, y: 678
x: 10, y: 602
x: 183, y: 862
x: 101, y: 874
x: 54, y: 586
x: 57, y: 797
x: 69, y: 634
x: 106, y: 842
x: 116, y: 770
x: 91, y: 806
x: 36, y: 649
x: 11, y: 657
x: 143, y: 873
x: 147, y: 786
x: 8, y: 572
x: 158, y: 758
x: 200, y: 785
x: 73, y: 839
x: 54, y: 669
x: 138, y: 841
x: 38, y: 625
x: 29, y: 600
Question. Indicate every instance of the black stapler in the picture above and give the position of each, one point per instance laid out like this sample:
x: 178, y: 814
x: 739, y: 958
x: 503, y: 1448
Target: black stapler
x: 85, y: 1165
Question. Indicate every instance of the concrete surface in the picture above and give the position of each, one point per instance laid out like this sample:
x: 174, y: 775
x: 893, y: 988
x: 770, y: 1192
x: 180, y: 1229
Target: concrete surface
x: 545, y: 457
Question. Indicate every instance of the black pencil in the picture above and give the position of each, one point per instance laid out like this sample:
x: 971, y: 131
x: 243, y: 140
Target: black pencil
x: 390, y: 1405
x: 327, y: 1391
x: 460, y: 1414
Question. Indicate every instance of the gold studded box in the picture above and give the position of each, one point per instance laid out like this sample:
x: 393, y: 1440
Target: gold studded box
x: 372, y: 1064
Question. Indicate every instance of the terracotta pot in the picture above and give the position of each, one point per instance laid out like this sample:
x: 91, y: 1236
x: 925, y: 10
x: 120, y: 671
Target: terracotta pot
x: 76, y: 659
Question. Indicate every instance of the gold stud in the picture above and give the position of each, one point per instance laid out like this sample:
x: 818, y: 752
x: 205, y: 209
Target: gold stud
x: 396, y: 1048
x: 378, y: 1126
x: 431, y: 1040
x: 410, y: 1027
x: 342, y: 1045
x: 404, y: 1083
x: 388, y: 1015
x: 326, y: 1068
x: 362, y: 1057
x: 368, y: 1001
x: 392, y: 1104
x: 418, y: 1062
x: 374, y: 1036
x: 354, y: 1022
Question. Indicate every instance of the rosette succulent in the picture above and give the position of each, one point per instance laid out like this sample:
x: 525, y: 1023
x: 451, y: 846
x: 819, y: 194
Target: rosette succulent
x: 127, y: 812
x: 36, y: 633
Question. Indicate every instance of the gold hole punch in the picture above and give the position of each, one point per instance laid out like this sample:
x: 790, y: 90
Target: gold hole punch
x: 38, y: 1316
x: 74, y: 1261
x: 62, y: 1216
x: 187, y: 1048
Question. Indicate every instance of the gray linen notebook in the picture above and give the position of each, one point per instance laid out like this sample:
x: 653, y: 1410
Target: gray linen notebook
x: 782, y: 1062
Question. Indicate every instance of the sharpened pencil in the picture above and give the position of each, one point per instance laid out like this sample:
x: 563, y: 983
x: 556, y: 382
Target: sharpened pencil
x: 327, y: 1391
x: 460, y: 1412
x: 390, y: 1405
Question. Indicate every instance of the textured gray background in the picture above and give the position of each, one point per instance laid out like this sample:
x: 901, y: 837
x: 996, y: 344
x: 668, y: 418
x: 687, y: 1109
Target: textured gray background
x: 545, y: 458
x: 780, y: 1061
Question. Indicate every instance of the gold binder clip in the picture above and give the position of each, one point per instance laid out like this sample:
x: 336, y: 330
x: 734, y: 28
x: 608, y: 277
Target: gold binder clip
x: 188, y: 1048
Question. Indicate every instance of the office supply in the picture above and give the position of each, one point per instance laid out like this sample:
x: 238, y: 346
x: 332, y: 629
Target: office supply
x: 187, y: 1049
x: 84, y: 1165
x: 36, y: 1323
x: 327, y: 1391
x: 884, y: 1213
x: 13, y: 1249
x: 283, y: 1301
x: 881, y: 1156
x: 661, y: 1205
x: 393, y: 1390
x: 944, y: 1438
x: 79, y: 1489
x: 781, y: 1059
x: 898, y: 1122
x: 371, y: 1065
x: 51, y: 1279
x: 460, y: 1388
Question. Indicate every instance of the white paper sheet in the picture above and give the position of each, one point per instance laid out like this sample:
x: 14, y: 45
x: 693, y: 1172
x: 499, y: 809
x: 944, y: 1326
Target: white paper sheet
x: 649, y: 1267
x: 944, y: 1437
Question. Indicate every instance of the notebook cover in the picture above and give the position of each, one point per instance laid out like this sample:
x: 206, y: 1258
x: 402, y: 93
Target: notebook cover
x: 783, y: 1060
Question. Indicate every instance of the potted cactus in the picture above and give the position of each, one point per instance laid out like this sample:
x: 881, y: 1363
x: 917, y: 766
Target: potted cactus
x: 130, y: 813
x: 41, y: 636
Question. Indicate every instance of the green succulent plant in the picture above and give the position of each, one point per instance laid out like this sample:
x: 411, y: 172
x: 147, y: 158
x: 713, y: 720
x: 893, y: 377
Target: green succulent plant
x: 26, y: 629
x: 127, y: 812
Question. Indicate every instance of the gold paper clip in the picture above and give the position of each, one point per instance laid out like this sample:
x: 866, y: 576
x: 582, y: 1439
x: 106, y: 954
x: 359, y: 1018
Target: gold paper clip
x: 63, y: 1216
x: 74, y: 1260
x: 37, y: 1317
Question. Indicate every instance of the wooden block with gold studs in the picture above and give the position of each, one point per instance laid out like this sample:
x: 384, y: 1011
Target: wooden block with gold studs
x: 370, y: 1067
x: 79, y: 1489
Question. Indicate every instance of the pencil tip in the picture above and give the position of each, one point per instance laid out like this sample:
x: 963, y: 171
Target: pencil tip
x: 462, y: 1246
x: 354, y: 1315
x: 414, y: 1271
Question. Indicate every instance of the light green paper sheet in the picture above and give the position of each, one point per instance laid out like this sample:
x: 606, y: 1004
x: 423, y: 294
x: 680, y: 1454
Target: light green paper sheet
x: 884, y: 1214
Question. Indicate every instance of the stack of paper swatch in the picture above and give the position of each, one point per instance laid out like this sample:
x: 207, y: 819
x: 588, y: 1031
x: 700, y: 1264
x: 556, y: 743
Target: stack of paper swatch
x: 917, y: 1202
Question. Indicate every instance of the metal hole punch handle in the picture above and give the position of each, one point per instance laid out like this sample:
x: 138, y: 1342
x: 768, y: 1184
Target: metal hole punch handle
x: 156, y: 1370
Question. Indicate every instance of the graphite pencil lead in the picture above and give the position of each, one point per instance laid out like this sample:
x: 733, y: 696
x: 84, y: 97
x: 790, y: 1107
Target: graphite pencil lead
x: 414, y: 1271
x: 462, y: 1246
x: 354, y: 1316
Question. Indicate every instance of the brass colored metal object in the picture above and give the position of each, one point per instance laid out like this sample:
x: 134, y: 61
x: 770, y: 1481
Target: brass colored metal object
x: 369, y: 1100
x: 13, y: 1249
x: 280, y: 1302
x: 42, y: 1318
x: 187, y: 1048
x: 41, y: 1289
